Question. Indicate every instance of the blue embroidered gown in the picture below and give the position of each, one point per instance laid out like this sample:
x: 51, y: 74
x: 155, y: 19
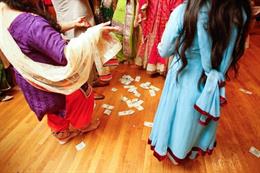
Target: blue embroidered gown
x: 186, y: 118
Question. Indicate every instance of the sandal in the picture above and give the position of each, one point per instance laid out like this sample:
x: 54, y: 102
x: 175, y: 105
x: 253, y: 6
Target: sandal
x: 6, y: 98
x: 65, y: 136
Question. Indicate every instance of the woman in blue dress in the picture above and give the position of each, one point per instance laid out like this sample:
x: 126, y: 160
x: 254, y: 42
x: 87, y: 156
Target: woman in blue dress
x: 206, y: 37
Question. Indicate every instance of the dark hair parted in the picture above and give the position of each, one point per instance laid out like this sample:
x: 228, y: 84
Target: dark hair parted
x: 223, y: 14
x: 31, y: 7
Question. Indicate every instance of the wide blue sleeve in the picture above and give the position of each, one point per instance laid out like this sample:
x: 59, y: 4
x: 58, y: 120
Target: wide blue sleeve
x: 213, y: 93
x: 46, y: 40
x: 173, y: 29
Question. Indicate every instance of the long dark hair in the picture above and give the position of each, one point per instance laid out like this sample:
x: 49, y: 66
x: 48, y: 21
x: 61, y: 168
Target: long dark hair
x: 222, y: 15
x: 31, y: 7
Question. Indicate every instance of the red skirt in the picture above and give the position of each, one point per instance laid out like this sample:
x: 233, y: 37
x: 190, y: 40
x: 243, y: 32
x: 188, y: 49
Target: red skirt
x: 79, y: 109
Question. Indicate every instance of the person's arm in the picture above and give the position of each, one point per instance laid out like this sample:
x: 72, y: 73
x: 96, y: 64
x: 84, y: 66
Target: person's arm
x: 213, y: 92
x: 172, y: 31
x: 46, y: 40
x: 78, y: 23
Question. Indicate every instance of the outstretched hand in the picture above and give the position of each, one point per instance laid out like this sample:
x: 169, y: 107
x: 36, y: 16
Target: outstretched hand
x: 82, y: 22
x: 106, y: 29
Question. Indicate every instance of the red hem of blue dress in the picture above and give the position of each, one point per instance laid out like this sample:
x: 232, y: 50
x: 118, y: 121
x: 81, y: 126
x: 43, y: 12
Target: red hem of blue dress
x: 178, y: 160
x: 208, y: 115
x: 222, y: 84
x: 205, y: 113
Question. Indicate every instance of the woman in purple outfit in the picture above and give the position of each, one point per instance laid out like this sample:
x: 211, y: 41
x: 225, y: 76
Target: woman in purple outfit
x: 38, y: 38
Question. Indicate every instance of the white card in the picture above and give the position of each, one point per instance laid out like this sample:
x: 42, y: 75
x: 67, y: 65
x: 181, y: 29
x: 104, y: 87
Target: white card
x: 107, y: 112
x: 110, y: 107
x: 152, y: 93
x: 137, y: 78
x: 80, y: 146
x: 134, y: 100
x: 255, y: 152
x: 126, y: 79
x: 129, y: 103
x: 124, y: 99
x: 144, y: 86
x: 148, y: 124
x: 140, y: 102
x: 132, y: 90
x: 137, y: 103
x: 139, y: 108
x: 106, y: 106
x: 246, y: 91
x: 154, y: 88
x: 124, y: 113
x: 137, y: 94
x: 129, y: 86
x: 114, y: 89
x: 147, y: 84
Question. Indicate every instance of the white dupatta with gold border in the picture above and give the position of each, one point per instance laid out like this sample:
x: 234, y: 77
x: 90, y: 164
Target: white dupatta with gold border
x: 80, y: 54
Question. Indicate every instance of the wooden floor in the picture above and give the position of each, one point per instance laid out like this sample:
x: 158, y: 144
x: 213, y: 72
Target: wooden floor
x: 120, y: 144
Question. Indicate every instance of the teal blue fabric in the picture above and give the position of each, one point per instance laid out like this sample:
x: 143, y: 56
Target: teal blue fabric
x: 177, y: 123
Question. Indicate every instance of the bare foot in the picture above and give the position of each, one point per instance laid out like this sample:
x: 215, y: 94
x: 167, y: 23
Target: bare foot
x: 72, y: 135
x: 92, y: 126
x: 64, y: 136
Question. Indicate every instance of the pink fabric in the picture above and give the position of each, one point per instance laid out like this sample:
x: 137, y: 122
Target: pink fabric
x: 147, y: 25
x: 163, y: 14
x: 157, y: 13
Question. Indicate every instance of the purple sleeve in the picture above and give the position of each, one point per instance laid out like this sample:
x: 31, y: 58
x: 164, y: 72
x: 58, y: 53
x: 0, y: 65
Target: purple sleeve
x: 47, y: 40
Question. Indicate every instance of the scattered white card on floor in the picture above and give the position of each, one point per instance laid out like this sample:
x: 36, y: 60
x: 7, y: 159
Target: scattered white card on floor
x: 152, y: 93
x: 132, y: 90
x: 138, y: 103
x: 129, y: 86
x: 154, y: 88
x: 246, y: 91
x: 107, y: 112
x: 124, y: 99
x: 106, y: 106
x: 145, y: 85
x: 80, y: 146
x: 139, y: 108
x: 129, y: 103
x: 135, y: 100
x: 114, y: 89
x: 148, y: 124
x: 255, y: 152
x: 137, y: 78
x: 137, y: 94
x: 124, y: 113
x: 126, y: 79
